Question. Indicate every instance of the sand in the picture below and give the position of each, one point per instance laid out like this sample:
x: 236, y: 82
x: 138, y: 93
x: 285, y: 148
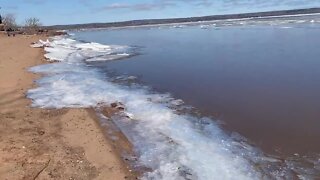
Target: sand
x: 47, y: 144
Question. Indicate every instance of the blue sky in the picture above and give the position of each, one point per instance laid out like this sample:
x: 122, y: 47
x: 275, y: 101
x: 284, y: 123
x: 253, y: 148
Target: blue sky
x: 84, y: 11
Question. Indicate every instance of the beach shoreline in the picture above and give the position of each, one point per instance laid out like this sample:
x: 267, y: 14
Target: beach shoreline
x: 47, y: 143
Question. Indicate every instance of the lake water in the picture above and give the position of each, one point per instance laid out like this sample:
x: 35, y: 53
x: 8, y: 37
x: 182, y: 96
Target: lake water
x: 225, y: 99
x: 261, y: 80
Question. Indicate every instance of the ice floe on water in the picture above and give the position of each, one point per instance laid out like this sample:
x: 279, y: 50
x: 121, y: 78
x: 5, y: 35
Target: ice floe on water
x: 70, y: 50
x: 172, y: 145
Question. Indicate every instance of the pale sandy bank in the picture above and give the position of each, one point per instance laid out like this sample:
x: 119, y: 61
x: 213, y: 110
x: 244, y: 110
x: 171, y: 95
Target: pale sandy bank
x: 47, y: 144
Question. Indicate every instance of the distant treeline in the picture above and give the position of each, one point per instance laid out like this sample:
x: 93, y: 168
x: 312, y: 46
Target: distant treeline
x: 184, y: 20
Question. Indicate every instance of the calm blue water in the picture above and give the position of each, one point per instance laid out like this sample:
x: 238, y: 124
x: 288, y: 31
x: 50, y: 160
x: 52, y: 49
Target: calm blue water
x: 262, y: 81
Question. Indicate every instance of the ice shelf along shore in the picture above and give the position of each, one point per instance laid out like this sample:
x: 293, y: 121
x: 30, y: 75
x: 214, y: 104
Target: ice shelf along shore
x: 174, y: 145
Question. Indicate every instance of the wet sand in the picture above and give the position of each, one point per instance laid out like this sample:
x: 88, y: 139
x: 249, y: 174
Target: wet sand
x: 47, y: 144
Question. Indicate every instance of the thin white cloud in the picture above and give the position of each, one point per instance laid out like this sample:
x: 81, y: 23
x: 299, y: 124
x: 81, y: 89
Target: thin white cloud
x: 138, y: 6
x: 225, y: 4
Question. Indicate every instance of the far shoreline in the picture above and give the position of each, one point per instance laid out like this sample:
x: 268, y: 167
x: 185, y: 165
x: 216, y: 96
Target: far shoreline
x: 189, y: 20
x: 187, y: 23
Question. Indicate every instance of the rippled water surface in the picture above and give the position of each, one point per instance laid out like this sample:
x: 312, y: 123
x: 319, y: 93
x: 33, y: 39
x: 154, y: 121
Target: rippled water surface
x: 261, y: 80
x: 257, y: 77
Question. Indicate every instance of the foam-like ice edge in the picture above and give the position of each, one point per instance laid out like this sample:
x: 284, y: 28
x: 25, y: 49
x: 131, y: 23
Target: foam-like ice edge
x: 173, y: 145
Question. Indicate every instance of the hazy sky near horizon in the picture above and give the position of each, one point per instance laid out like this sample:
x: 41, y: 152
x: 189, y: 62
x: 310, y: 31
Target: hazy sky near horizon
x: 53, y: 12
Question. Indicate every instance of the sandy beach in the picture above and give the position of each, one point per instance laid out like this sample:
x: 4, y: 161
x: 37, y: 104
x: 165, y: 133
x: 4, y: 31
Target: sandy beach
x: 47, y: 144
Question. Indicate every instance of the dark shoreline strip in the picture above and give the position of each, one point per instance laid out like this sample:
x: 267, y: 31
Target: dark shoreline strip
x: 120, y: 143
x: 186, y: 20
